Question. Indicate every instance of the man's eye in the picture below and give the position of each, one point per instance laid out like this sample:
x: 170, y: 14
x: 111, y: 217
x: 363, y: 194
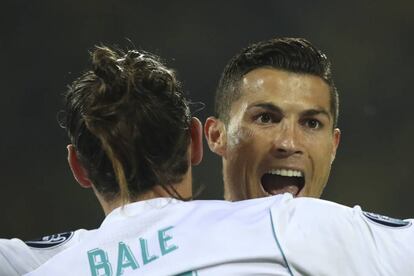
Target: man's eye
x: 312, y: 123
x: 264, y: 118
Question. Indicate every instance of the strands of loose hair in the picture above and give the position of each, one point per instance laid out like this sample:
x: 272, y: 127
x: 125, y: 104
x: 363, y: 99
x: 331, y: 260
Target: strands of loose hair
x: 112, y: 113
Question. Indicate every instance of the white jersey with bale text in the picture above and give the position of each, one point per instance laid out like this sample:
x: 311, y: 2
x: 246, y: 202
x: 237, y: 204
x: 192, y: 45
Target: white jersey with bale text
x: 18, y: 257
x: 276, y: 235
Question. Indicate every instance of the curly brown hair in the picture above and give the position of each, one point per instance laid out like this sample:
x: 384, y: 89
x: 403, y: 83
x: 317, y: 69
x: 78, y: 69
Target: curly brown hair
x: 129, y: 122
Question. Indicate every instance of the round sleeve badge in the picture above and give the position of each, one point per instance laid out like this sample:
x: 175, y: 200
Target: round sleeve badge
x: 50, y: 241
x: 386, y: 221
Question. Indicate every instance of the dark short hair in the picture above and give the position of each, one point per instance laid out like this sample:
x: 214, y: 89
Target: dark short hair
x: 129, y: 122
x: 290, y: 54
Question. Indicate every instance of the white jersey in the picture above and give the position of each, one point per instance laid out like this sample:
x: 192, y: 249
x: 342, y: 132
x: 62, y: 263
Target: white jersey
x: 18, y: 257
x: 277, y: 235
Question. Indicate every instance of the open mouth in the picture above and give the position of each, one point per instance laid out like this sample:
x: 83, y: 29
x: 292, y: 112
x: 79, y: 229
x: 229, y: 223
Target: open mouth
x: 282, y: 181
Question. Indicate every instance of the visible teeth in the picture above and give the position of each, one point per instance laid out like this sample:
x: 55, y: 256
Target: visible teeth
x: 284, y: 172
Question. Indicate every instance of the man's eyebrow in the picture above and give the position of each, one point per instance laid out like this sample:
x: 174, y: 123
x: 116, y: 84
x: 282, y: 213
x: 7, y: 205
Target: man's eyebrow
x: 267, y: 106
x: 314, y: 112
x: 307, y: 113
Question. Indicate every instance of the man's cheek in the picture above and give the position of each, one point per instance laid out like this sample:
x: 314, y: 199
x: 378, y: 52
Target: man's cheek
x: 240, y: 137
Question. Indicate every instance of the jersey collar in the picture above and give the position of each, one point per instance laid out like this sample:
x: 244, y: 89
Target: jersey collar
x: 137, y: 208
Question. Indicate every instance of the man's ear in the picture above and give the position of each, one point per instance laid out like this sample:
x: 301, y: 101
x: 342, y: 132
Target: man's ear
x: 335, y: 141
x: 196, y: 141
x: 215, y: 133
x: 78, y: 170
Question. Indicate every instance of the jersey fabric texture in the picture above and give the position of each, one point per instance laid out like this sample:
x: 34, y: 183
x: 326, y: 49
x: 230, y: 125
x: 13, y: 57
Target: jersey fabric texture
x: 276, y: 235
x: 18, y: 258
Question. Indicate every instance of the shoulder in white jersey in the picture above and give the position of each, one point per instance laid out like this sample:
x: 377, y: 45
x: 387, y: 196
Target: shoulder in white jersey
x: 270, y: 236
x: 18, y: 257
x: 324, y: 238
x: 165, y: 236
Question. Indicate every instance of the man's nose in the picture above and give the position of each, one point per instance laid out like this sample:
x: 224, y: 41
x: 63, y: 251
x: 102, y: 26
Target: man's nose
x: 287, y: 141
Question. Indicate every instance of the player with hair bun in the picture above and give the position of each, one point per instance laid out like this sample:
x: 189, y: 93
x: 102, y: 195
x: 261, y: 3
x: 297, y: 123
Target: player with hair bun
x: 110, y: 112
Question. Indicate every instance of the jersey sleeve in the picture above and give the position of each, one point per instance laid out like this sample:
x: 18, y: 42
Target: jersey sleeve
x: 318, y: 237
x: 18, y: 257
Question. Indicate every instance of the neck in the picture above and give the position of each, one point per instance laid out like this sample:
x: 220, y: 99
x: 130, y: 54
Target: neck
x: 183, y: 188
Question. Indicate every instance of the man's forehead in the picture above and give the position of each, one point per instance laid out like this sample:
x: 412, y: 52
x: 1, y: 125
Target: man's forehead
x: 276, y: 84
x: 264, y: 77
x: 282, y: 89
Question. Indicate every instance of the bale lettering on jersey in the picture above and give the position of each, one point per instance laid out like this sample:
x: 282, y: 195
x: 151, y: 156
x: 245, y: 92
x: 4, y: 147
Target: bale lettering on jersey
x: 99, y: 259
x: 50, y: 241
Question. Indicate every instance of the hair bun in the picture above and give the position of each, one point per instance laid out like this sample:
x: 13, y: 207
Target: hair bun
x: 104, y: 62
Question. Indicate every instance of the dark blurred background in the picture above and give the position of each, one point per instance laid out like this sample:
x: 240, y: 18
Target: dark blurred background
x: 44, y: 45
